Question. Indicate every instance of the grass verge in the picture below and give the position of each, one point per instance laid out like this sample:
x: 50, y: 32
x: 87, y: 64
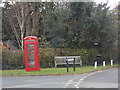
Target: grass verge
x: 54, y: 71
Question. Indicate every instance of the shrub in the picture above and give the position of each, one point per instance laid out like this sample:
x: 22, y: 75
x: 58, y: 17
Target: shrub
x: 92, y: 52
x: 46, y: 57
x: 12, y: 59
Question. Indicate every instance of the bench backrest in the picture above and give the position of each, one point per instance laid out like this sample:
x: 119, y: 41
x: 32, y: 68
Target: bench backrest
x: 62, y: 60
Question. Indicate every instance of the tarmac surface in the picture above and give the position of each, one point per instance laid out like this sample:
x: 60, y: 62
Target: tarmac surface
x: 98, y: 79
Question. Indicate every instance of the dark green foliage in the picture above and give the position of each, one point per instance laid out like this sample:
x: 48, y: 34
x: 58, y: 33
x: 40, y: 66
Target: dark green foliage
x: 55, y: 22
x: 70, y: 25
x: 81, y: 11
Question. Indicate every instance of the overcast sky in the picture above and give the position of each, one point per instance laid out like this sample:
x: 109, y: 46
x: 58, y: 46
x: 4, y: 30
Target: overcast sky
x: 111, y: 3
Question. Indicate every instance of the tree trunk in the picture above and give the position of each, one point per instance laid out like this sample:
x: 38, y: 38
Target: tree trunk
x: 22, y: 41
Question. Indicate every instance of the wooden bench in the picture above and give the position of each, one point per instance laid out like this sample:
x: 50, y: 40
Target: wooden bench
x: 61, y: 60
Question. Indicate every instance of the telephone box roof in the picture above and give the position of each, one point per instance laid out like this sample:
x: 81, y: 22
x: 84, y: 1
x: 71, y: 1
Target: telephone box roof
x: 30, y: 37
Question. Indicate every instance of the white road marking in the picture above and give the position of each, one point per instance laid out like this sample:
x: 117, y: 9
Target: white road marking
x: 78, y: 83
x: 81, y: 79
x: 68, y: 83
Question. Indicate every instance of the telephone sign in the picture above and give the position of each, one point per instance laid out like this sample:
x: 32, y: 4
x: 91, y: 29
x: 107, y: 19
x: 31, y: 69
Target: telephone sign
x: 31, y: 54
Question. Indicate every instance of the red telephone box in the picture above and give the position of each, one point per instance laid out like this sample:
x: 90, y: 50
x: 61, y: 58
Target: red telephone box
x: 31, y: 54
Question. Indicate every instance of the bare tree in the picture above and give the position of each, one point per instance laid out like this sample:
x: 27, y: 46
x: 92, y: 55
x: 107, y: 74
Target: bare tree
x: 24, y: 18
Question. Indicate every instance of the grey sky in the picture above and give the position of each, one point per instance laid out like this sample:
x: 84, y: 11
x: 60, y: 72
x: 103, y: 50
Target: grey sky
x: 111, y: 3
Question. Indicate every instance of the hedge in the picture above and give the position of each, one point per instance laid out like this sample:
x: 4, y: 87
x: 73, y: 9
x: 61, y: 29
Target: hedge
x: 14, y: 59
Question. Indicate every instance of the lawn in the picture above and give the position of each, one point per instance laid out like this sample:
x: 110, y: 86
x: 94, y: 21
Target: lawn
x: 54, y: 71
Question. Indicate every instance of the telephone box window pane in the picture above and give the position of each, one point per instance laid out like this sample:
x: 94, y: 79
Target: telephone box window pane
x: 31, y: 51
x: 30, y: 44
x: 32, y: 66
x: 30, y: 47
x: 30, y: 56
x: 30, y: 40
x: 31, y: 60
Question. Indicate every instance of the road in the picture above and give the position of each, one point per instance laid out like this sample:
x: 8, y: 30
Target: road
x: 99, y: 79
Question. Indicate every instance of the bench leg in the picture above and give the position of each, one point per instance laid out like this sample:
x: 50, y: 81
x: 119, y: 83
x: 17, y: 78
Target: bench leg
x: 74, y: 65
x: 67, y: 66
